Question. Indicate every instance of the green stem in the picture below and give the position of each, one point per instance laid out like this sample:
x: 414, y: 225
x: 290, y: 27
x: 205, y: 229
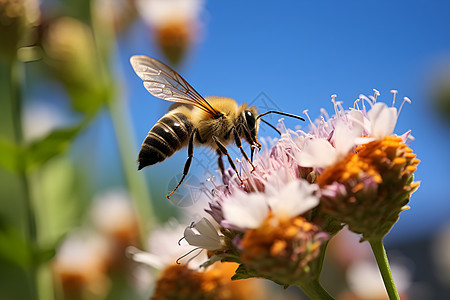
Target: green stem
x: 16, y: 78
x: 383, y: 265
x: 321, y: 259
x: 140, y: 194
x: 314, y: 290
x: 136, y: 183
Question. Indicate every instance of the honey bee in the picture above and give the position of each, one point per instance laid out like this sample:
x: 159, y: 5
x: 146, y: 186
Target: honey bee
x: 193, y: 120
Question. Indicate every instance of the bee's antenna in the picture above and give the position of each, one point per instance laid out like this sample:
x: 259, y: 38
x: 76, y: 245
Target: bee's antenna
x: 274, y: 128
x: 280, y: 113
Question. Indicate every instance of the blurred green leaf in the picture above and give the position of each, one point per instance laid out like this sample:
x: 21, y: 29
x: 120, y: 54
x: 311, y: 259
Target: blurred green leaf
x: 60, y: 203
x: 80, y: 9
x: 88, y: 99
x: 242, y: 273
x: 56, y: 143
x: 14, y: 248
x: 9, y: 155
x: 44, y: 255
x: 231, y: 259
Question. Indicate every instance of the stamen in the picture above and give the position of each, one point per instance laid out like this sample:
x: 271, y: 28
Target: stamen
x: 355, y: 104
x: 208, y: 193
x: 324, y: 113
x: 341, y: 109
x: 376, y: 93
x: 211, y: 181
x: 184, y: 255
x: 393, y: 100
x: 282, y: 125
x: 405, y: 99
x: 306, y: 113
x: 193, y: 257
x: 333, y: 99
x: 363, y: 97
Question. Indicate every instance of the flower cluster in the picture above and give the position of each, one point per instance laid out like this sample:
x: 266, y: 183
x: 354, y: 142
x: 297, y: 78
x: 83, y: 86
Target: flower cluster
x: 185, y: 280
x: 349, y: 169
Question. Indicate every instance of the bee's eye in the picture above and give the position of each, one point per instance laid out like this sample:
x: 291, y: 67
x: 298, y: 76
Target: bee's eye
x: 250, y: 119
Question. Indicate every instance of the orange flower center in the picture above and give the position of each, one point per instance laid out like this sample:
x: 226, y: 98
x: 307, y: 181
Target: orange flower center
x: 373, y: 159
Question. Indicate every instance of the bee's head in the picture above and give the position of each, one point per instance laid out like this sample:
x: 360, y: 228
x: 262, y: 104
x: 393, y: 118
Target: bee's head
x: 251, y: 126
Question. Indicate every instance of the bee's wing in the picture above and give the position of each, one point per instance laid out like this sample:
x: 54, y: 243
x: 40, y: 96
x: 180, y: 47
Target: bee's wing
x: 163, y: 82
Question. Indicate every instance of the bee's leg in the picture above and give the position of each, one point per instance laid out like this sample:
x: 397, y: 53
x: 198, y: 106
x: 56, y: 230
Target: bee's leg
x: 187, y: 164
x: 252, y: 149
x: 254, y: 144
x: 224, y: 151
x: 238, y: 142
x: 220, y: 163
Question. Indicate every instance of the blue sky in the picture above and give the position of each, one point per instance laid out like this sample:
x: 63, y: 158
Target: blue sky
x: 299, y: 53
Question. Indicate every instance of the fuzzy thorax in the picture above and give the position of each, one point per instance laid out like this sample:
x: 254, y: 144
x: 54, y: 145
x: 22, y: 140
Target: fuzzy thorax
x: 222, y: 126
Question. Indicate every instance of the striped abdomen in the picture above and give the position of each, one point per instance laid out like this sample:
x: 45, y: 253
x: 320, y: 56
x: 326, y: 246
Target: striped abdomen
x: 170, y: 134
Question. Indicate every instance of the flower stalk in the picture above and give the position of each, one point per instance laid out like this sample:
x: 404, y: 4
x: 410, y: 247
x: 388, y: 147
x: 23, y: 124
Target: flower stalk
x: 119, y: 114
x: 314, y: 290
x: 383, y: 264
x: 138, y: 189
x: 16, y: 79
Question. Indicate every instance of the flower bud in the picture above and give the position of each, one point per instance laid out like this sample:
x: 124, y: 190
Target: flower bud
x: 16, y: 19
x: 283, y: 250
x: 71, y: 55
x: 368, y: 189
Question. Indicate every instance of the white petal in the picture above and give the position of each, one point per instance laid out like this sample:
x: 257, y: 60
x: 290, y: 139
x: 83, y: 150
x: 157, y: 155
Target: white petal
x: 344, y: 138
x: 146, y: 258
x: 205, y: 227
x: 245, y: 210
x: 317, y: 153
x: 357, y: 120
x: 203, y: 235
x: 383, y: 120
x: 364, y: 140
x: 294, y: 199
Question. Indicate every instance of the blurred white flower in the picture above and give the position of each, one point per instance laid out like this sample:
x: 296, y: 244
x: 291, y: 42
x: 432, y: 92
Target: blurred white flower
x: 365, y: 280
x: 112, y: 214
x: 39, y: 120
x: 159, y: 12
x: 441, y: 255
x: 81, y: 263
x: 175, y: 25
x: 166, y: 247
